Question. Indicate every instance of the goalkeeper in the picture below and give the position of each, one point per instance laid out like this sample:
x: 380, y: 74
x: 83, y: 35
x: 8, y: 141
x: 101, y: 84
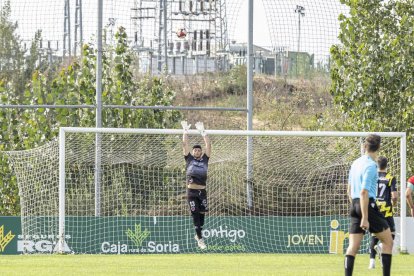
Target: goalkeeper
x: 196, y: 177
x: 386, y: 198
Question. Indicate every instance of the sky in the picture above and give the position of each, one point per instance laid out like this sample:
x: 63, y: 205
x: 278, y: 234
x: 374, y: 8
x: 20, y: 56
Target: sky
x: 275, y: 22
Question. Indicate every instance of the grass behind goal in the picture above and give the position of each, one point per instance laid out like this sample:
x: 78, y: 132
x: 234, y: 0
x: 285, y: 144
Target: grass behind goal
x: 195, y: 264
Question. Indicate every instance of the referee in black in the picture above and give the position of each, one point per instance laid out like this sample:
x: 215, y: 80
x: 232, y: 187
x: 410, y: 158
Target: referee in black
x: 364, y: 213
x: 196, y: 175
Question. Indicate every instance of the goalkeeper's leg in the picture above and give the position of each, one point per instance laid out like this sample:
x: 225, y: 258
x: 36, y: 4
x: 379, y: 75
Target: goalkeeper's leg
x: 193, y: 203
x: 198, y: 218
x: 197, y: 224
x: 203, y: 206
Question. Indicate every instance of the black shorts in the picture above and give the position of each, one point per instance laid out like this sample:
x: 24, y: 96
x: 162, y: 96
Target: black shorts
x: 391, y: 223
x: 377, y: 221
x: 197, y: 200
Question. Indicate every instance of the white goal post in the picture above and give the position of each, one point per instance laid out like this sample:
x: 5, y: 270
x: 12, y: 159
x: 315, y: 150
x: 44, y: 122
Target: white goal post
x: 282, y: 161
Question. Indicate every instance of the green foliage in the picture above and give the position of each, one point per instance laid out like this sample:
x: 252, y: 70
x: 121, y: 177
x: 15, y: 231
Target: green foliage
x: 11, y: 79
x: 11, y: 52
x: 237, y: 80
x: 74, y: 83
x: 301, y: 65
x: 120, y: 88
x: 372, y: 71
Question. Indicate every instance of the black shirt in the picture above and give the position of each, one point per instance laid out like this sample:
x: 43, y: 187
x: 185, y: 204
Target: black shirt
x: 386, y: 185
x: 196, y: 170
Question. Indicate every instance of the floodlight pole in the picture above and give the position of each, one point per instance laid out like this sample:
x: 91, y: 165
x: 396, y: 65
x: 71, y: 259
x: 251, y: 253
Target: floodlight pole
x: 250, y: 60
x: 300, y: 11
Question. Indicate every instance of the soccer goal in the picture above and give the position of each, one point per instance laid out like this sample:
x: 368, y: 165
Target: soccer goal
x: 121, y: 191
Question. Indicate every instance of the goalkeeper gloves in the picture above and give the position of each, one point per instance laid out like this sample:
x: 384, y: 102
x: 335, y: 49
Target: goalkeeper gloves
x: 185, y: 126
x: 200, y: 128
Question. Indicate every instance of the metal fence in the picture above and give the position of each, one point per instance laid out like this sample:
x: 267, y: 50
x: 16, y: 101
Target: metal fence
x: 187, y: 36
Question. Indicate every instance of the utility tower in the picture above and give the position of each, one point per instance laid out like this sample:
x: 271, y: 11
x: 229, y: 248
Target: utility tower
x: 78, y: 27
x: 78, y: 33
x: 222, y: 39
x: 144, y: 19
x: 157, y: 24
x: 66, y: 31
x: 162, y: 58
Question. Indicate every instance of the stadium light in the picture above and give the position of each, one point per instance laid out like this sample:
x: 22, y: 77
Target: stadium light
x: 301, y: 12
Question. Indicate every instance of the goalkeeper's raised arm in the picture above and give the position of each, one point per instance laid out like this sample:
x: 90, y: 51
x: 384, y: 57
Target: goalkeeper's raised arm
x: 201, y: 129
x: 186, y: 147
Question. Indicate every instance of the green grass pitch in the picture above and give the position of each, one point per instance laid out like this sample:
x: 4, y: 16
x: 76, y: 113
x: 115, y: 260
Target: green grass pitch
x: 194, y: 264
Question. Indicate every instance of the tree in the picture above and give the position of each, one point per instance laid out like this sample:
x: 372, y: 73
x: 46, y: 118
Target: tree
x: 372, y: 71
x: 11, y: 64
x: 120, y: 88
x: 75, y: 84
x: 11, y: 52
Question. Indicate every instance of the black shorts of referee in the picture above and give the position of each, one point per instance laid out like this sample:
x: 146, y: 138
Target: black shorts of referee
x: 377, y: 221
x: 391, y: 223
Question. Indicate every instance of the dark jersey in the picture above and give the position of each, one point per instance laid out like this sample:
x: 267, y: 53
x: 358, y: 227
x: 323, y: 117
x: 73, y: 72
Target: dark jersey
x: 386, y: 185
x: 196, y: 170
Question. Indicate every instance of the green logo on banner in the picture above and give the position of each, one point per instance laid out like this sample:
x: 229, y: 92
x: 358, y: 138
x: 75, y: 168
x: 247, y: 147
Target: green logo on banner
x: 5, y: 240
x: 138, y: 236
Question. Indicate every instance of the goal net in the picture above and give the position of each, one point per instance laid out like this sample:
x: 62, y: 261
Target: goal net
x: 123, y: 191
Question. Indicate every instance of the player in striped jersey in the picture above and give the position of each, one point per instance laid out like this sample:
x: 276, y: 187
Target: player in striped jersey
x: 386, y: 198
